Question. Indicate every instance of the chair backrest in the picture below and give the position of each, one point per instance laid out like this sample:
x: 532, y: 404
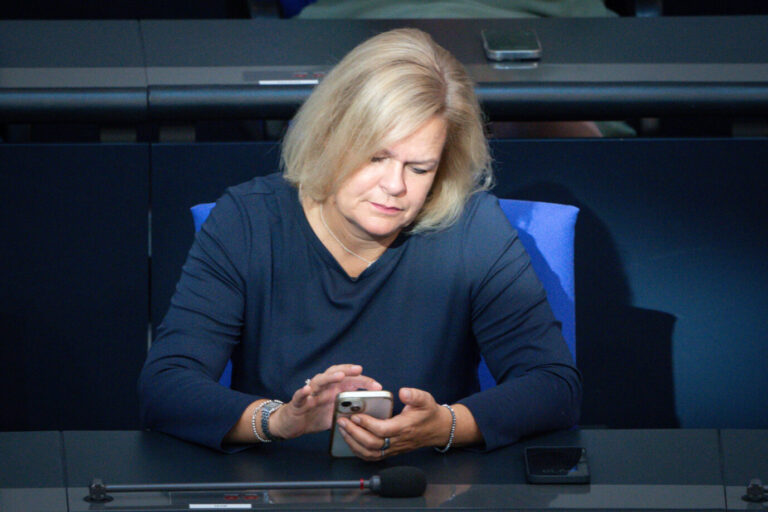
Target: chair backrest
x: 546, y: 230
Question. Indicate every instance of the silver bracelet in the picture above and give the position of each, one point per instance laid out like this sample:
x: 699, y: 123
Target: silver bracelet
x: 453, y: 430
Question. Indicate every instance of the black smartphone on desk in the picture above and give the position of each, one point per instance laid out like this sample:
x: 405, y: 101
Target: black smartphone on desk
x: 556, y: 465
x: 511, y: 44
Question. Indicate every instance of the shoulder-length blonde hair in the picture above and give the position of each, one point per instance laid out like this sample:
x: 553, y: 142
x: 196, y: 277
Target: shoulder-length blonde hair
x: 381, y: 92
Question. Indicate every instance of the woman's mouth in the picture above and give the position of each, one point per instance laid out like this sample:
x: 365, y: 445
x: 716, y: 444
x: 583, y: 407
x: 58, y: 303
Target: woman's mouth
x: 386, y: 209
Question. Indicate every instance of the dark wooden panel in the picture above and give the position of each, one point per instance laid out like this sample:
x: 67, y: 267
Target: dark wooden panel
x: 74, y: 299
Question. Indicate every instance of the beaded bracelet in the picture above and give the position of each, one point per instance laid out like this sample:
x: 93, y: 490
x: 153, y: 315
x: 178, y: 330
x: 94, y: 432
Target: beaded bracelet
x: 453, y: 430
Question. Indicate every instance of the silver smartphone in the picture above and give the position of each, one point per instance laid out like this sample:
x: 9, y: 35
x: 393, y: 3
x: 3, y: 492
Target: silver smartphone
x: 511, y: 44
x: 373, y: 403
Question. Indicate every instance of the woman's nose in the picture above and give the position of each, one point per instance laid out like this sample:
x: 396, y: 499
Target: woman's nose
x: 393, y: 179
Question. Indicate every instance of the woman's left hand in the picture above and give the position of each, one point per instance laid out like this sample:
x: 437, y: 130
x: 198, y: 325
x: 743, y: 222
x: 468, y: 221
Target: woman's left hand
x: 423, y: 422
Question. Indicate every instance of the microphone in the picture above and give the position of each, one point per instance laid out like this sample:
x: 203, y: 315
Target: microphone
x: 395, y: 482
x: 399, y: 482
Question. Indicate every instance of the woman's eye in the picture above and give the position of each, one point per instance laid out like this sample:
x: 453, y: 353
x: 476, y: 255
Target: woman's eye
x: 377, y: 159
x: 418, y: 171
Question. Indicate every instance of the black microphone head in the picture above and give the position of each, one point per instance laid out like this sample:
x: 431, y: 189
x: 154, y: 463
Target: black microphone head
x: 402, y: 482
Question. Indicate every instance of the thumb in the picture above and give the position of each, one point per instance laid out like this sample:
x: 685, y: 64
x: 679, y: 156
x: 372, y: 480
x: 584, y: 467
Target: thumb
x: 415, y: 397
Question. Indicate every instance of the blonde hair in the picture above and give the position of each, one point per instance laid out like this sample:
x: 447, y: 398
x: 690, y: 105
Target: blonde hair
x: 381, y: 92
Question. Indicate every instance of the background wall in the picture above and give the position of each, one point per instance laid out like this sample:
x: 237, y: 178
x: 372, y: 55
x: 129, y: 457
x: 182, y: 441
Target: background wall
x: 74, y: 299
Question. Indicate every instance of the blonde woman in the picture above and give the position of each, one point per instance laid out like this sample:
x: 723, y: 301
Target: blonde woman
x: 376, y: 259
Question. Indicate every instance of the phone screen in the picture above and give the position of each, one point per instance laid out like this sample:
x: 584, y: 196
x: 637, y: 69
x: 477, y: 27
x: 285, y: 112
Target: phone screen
x: 556, y: 464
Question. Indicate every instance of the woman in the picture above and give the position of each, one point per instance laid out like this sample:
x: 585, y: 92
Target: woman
x: 375, y: 260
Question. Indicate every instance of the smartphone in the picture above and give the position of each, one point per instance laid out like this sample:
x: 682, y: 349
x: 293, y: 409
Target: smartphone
x: 373, y: 403
x: 509, y: 44
x: 556, y: 465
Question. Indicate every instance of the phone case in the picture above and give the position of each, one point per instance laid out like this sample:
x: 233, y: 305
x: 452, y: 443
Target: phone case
x: 373, y: 403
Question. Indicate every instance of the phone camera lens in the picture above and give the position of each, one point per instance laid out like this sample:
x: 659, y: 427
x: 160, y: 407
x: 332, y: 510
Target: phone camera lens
x: 346, y: 403
x: 356, y: 408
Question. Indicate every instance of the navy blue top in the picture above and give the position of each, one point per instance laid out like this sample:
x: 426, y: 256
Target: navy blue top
x: 259, y: 287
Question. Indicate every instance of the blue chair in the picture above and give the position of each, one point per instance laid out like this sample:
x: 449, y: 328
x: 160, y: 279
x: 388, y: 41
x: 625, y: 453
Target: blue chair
x: 546, y: 230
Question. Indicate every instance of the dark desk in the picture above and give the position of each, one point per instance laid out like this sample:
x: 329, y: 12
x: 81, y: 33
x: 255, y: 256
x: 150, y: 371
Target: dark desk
x: 745, y: 456
x: 32, y: 472
x: 606, y: 68
x: 631, y: 469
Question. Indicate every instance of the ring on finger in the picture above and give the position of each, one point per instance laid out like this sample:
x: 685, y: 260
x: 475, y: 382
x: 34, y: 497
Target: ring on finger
x: 386, y: 445
x: 306, y: 382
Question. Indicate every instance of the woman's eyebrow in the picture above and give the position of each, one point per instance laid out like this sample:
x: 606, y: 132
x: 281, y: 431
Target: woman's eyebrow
x: 387, y: 153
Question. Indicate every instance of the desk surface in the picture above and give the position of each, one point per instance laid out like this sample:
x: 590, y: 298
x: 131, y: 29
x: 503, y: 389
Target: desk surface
x: 631, y: 469
x: 32, y: 477
x: 599, y: 68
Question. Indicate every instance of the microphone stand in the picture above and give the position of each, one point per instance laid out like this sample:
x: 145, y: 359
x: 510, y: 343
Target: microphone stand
x: 97, y: 491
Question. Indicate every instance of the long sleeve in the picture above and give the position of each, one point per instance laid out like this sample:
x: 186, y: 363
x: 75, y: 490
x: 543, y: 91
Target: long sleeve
x: 539, y: 388
x: 178, y: 388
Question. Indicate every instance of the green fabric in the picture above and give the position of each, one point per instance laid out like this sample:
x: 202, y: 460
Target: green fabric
x: 325, y: 9
x: 615, y: 129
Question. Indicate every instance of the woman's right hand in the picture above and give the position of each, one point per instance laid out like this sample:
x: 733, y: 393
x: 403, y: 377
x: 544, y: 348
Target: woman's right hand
x: 311, y: 407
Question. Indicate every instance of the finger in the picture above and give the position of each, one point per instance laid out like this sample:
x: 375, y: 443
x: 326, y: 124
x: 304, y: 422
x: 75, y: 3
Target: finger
x: 357, y: 449
x: 365, y: 450
x: 334, y: 373
x: 348, y: 369
x: 326, y: 387
x: 300, y: 396
x: 360, y: 382
x: 363, y: 437
x: 322, y: 380
x: 380, y: 428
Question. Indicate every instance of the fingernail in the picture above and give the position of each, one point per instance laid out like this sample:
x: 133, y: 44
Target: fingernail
x: 342, y: 423
x: 356, y: 420
x: 407, y: 394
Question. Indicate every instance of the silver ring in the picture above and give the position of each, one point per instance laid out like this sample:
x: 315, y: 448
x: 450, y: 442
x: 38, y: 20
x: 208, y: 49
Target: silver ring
x: 385, y: 446
x: 306, y: 382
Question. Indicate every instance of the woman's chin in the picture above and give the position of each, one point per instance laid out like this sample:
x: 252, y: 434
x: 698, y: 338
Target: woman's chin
x: 381, y: 232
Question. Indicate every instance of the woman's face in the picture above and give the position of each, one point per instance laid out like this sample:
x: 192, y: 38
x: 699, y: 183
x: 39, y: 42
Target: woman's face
x: 385, y: 195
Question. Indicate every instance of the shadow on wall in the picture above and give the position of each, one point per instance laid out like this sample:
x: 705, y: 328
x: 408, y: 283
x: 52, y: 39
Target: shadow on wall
x: 623, y: 352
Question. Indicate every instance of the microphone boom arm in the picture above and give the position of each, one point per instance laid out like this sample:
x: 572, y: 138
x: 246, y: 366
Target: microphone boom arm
x: 97, y: 491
